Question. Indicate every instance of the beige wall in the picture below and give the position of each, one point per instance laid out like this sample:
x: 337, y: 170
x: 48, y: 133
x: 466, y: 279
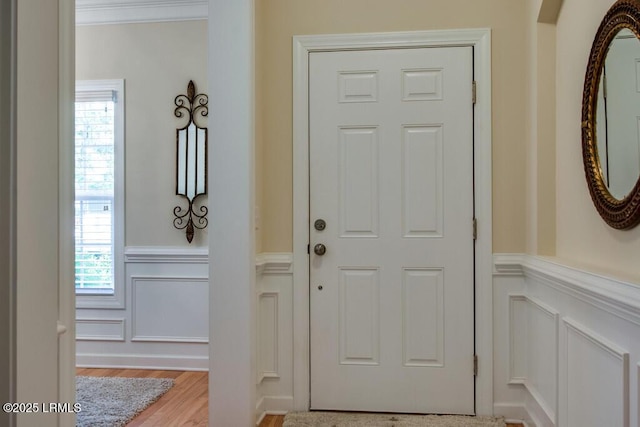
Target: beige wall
x: 582, y: 236
x: 282, y: 19
x: 546, y: 139
x: 157, y: 61
x: 259, y: 128
x: 541, y: 116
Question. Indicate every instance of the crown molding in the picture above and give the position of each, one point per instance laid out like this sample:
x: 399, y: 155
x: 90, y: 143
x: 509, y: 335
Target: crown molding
x: 100, y: 12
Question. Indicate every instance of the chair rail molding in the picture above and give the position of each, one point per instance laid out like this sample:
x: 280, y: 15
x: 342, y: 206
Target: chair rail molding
x: 98, y: 12
x: 274, y: 263
x: 508, y: 264
x: 157, y: 254
x: 612, y: 295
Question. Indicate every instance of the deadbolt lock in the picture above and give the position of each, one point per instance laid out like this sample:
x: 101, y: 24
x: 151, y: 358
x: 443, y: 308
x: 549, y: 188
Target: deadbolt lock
x: 320, y: 224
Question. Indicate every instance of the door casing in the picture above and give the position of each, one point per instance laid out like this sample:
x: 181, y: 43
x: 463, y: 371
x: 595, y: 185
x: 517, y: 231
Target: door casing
x: 480, y: 40
x: 8, y: 41
x: 66, y: 131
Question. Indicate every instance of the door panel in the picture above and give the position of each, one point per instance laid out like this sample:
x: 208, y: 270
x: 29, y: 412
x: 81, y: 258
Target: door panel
x: 391, y: 173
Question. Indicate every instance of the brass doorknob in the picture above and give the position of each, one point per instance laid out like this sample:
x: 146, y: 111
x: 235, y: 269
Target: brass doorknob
x: 320, y: 249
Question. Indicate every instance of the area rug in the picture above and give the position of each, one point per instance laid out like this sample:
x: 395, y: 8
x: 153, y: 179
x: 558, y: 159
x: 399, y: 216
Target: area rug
x: 114, y: 401
x: 349, y: 419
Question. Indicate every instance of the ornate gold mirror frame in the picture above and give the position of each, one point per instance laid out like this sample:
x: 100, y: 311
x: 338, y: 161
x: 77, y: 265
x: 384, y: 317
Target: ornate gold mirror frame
x: 618, y: 213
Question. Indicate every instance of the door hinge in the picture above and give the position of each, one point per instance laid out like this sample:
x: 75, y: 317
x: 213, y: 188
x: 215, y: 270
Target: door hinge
x: 475, y: 229
x: 475, y: 365
x: 473, y: 92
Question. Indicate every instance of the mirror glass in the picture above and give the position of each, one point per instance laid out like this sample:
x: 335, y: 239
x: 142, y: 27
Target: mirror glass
x: 618, y: 115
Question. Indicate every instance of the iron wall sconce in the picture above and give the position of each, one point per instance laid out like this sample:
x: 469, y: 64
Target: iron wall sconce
x: 191, y: 160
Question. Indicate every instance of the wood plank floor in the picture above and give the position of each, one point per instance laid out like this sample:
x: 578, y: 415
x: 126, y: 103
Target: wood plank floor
x: 184, y: 405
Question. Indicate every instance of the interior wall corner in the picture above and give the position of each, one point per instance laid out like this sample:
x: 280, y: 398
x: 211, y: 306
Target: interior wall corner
x: 549, y: 11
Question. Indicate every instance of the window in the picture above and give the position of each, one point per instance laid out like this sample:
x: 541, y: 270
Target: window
x: 99, y: 193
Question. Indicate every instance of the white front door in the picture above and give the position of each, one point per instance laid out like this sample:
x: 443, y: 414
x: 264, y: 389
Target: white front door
x: 391, y: 176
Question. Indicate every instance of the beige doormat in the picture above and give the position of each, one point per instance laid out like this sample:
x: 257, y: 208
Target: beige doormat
x: 352, y: 419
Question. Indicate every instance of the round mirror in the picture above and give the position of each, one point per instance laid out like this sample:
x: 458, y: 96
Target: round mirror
x: 611, y: 116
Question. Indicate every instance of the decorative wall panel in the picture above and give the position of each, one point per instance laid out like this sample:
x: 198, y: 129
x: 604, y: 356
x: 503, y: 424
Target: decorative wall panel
x: 268, y: 334
x: 597, y: 371
x: 100, y: 329
x: 275, y: 333
x: 170, y: 309
x: 597, y: 343
x: 164, y: 323
x: 542, y: 355
x: 518, y: 323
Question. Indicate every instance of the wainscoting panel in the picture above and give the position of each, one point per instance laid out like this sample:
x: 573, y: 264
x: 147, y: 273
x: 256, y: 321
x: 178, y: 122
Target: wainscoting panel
x: 597, y: 384
x: 574, y: 372
x: 100, y: 329
x: 165, y: 320
x: 274, y: 281
x: 170, y: 309
x: 533, y: 350
x: 542, y: 355
x: 518, y: 323
x: 268, y: 335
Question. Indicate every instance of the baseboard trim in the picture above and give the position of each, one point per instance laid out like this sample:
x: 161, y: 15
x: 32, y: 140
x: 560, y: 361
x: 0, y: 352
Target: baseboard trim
x: 530, y: 412
x: 278, y: 405
x: 276, y: 401
x: 537, y: 415
x: 514, y: 413
x: 138, y: 361
x: 260, y: 412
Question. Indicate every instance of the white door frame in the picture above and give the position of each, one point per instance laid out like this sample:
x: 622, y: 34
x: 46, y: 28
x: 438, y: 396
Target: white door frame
x: 480, y: 40
x: 8, y: 39
x: 67, y: 293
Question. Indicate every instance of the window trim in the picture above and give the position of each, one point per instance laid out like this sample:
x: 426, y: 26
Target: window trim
x: 117, y: 299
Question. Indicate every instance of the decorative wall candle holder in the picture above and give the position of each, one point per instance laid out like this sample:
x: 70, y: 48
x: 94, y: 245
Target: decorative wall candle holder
x: 191, y: 161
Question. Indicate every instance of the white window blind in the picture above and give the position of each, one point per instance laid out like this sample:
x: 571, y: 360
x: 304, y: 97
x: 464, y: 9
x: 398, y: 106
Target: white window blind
x: 95, y: 175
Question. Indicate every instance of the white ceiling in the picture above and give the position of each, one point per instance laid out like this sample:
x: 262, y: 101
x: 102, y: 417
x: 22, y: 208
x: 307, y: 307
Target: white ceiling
x: 92, y: 12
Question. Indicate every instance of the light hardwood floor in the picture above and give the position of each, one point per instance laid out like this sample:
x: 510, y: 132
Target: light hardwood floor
x: 184, y: 405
